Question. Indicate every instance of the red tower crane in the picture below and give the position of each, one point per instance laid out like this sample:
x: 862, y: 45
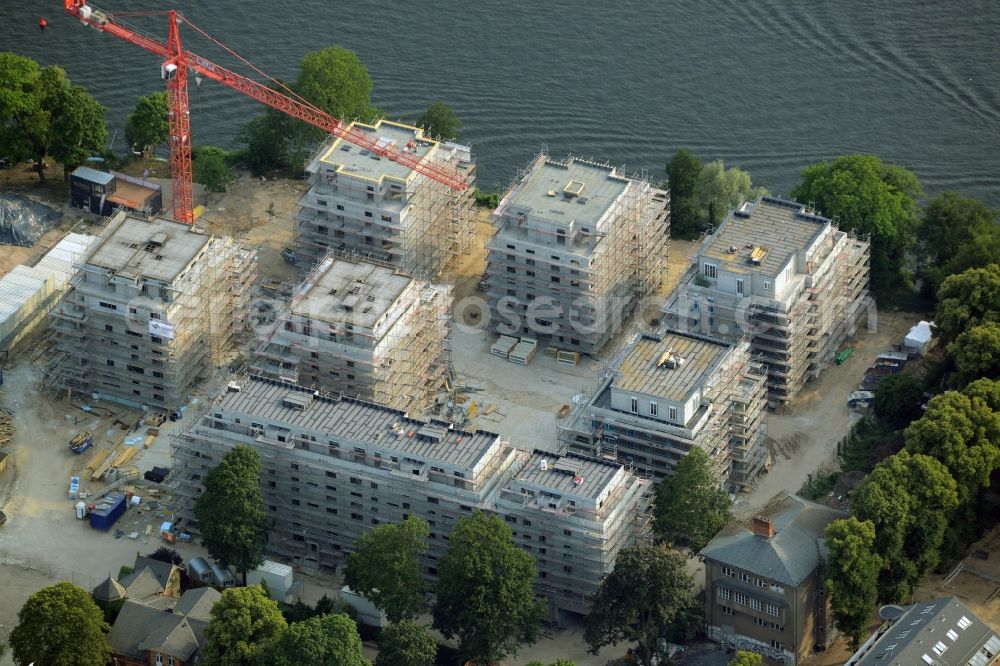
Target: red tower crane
x: 174, y: 70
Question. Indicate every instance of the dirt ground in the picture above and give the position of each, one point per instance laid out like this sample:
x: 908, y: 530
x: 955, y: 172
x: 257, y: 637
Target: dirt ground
x: 803, y: 439
x: 976, y: 580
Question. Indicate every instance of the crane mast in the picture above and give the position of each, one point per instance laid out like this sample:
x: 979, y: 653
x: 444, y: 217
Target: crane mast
x: 176, y: 62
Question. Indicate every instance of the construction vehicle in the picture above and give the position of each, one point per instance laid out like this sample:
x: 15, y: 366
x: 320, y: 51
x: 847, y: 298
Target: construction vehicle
x: 174, y: 68
x: 81, y: 443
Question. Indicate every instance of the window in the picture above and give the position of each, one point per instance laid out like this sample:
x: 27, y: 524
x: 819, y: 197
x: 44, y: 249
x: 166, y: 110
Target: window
x: 964, y: 623
x: 672, y: 414
x: 368, y: 213
x: 774, y: 610
x: 740, y: 598
x: 109, y: 306
x: 745, y: 577
x: 653, y: 407
x: 726, y: 610
x: 739, y: 287
x: 729, y: 571
x: 711, y: 271
x: 767, y: 285
x: 939, y: 648
x: 725, y: 593
x: 756, y: 604
x: 109, y: 328
x: 340, y: 206
x: 110, y: 363
x: 952, y: 635
x: 635, y: 405
x: 777, y: 645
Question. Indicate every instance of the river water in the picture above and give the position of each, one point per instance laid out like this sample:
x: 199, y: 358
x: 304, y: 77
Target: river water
x: 768, y: 85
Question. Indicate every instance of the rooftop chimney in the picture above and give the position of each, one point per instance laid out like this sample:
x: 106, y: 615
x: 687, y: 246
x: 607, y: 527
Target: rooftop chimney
x: 763, y: 527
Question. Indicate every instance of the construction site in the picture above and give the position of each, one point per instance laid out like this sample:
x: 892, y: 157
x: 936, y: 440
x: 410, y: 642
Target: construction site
x: 665, y: 393
x: 363, y: 330
x: 154, y: 307
x: 362, y: 205
x: 784, y: 276
x: 576, y: 246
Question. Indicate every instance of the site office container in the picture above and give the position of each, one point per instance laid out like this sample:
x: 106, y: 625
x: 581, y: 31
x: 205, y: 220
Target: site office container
x: 107, y: 511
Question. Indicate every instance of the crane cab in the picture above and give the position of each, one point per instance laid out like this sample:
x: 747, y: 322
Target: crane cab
x: 168, y: 71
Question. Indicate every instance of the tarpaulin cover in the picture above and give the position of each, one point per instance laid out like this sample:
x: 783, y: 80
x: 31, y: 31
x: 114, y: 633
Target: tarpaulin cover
x: 23, y: 221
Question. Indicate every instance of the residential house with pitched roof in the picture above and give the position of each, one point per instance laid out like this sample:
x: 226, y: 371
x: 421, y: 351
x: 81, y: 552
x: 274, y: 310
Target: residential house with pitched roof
x: 942, y: 632
x: 764, y: 582
x: 152, y: 635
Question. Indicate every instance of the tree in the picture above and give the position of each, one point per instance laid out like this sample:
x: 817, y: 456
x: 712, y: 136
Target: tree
x: 42, y: 113
x: 485, y: 592
x: 851, y: 576
x: 386, y: 568
x: 897, y: 401
x: 325, y: 639
x: 557, y: 662
x: 719, y: 189
x: 243, y: 622
x: 690, y: 508
x: 266, y: 139
x: 745, y: 658
x: 639, y: 600
x: 406, y: 643
x: 950, y: 223
x: 210, y: 169
x: 147, y: 126
x: 60, y: 625
x: 869, y: 197
x: 164, y: 554
x: 909, y: 499
x: 333, y: 79
x: 967, y: 299
x: 977, y: 352
x: 336, y: 81
x: 962, y: 430
x: 682, y: 177
x: 440, y: 121
x: 231, y: 510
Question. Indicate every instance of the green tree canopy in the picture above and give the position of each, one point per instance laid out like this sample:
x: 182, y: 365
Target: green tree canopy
x: 266, y: 140
x: 324, y: 639
x: 682, y: 178
x: 485, y: 593
x: 639, y: 600
x: 60, y: 625
x: 230, y: 511
x: 949, y: 225
x: 386, y: 568
x: 745, y: 658
x: 243, y: 623
x: 406, y: 643
x: 147, y: 126
x: 333, y: 79
x: 868, y: 197
x: 897, y: 401
x: 909, y: 499
x: 719, y: 189
x: 439, y: 121
x: 690, y: 509
x: 967, y: 299
x: 851, y: 576
x: 42, y: 113
x: 977, y: 352
x: 962, y: 430
x: 210, y: 168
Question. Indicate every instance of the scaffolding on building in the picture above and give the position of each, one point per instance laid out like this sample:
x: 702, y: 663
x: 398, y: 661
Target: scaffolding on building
x: 145, y: 342
x: 402, y: 367
x: 416, y: 224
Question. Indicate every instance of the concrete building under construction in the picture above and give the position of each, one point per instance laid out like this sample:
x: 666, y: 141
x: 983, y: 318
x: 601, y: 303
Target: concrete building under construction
x: 667, y: 393
x: 333, y: 467
x: 155, y: 306
x: 784, y: 276
x: 364, y: 330
x: 576, y: 246
x: 363, y: 205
